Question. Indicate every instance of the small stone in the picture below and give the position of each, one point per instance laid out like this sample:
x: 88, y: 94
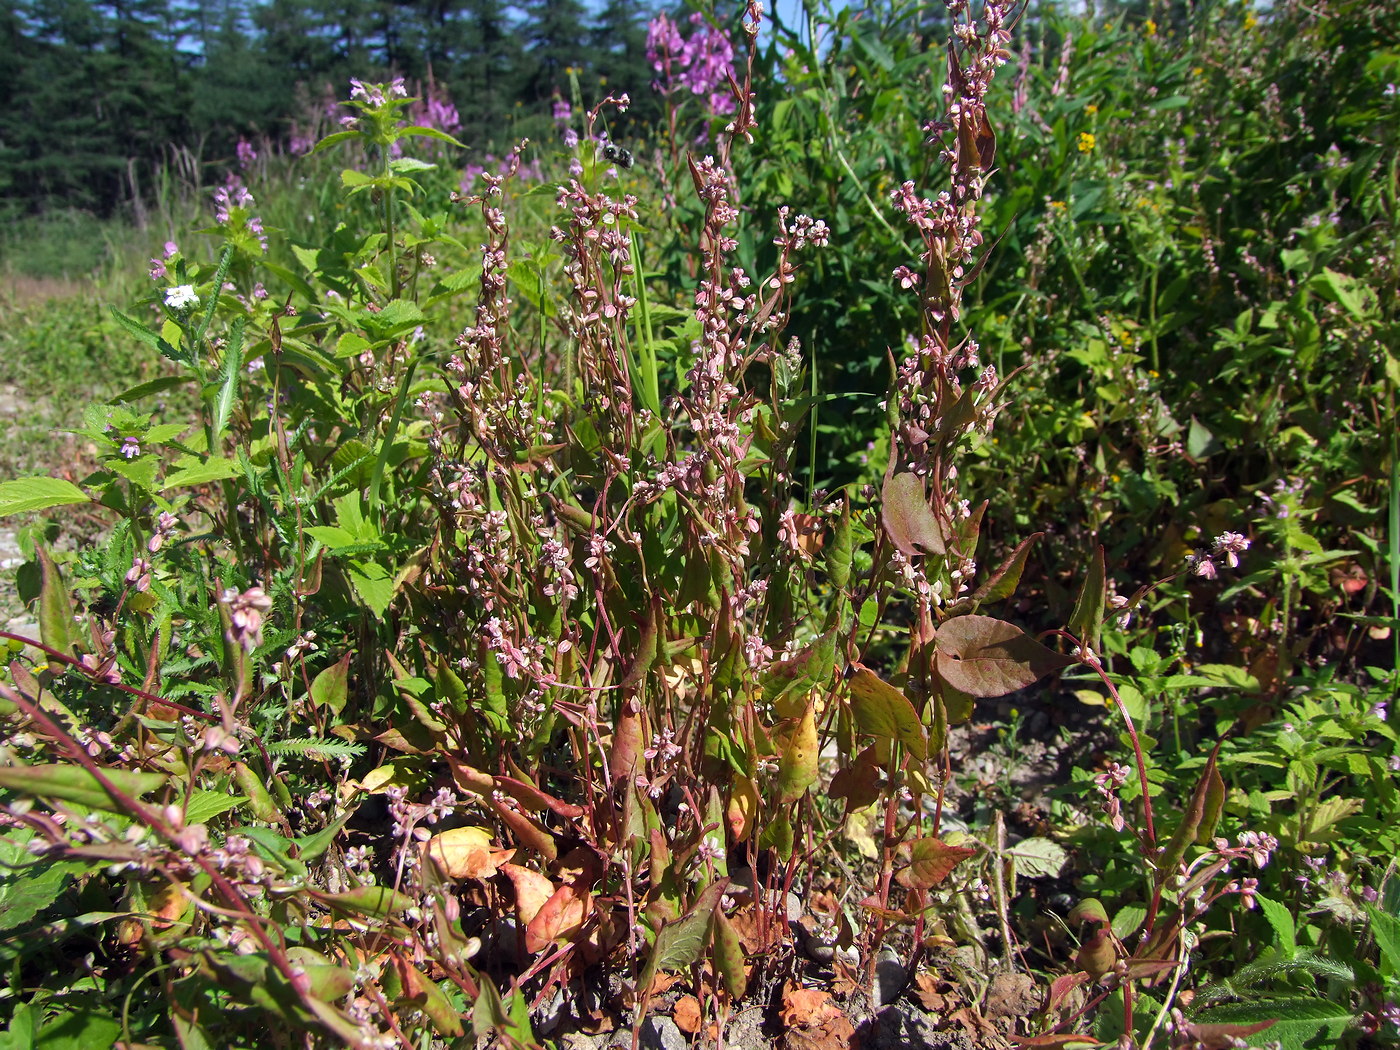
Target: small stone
x: 662, y: 1033
x: 890, y: 978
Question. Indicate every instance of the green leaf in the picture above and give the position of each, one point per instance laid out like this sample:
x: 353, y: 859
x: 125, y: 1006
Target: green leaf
x: 215, y: 468
x: 75, y: 784
x: 55, y: 605
x: 1300, y: 1024
x: 1386, y: 929
x: 206, y: 805
x: 228, y: 389
x: 27, y: 885
x: 797, y: 769
x: 1086, y: 622
x: 151, y: 338
x: 330, y: 688
x: 31, y: 494
x: 1038, y: 858
x: 377, y: 901
x: 373, y: 583
x: 430, y: 133
x: 1281, y: 920
x: 79, y: 1029
x: 882, y: 710
x: 679, y: 943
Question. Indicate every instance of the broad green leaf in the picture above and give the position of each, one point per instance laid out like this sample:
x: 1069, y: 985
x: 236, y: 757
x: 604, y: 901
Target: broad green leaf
x: 216, y: 468
x: 79, y: 1029
x: 378, y: 901
x: 679, y: 943
x: 330, y: 688
x: 1038, y: 858
x: 69, y: 783
x: 29, y: 885
x: 1281, y: 919
x: 373, y: 583
x: 56, y: 627
x: 797, y: 769
x: 1386, y: 929
x: 30, y: 494
x: 1300, y: 1023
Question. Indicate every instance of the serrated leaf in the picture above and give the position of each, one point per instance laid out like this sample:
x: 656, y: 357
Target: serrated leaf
x: 1281, y: 920
x: 882, y: 710
x: 1386, y: 929
x: 373, y: 583
x: 30, y: 494
x: 206, y: 805
x: 1038, y: 858
x: 216, y: 468
x: 987, y: 657
x: 1297, y: 1022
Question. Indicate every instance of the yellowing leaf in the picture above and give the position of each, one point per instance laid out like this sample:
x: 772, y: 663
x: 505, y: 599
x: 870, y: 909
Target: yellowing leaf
x: 532, y: 890
x: 797, y: 770
x: 931, y: 860
x: 882, y: 710
x: 465, y: 853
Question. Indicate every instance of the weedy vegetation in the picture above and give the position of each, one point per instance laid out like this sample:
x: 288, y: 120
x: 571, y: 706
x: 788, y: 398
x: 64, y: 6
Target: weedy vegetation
x: 908, y: 554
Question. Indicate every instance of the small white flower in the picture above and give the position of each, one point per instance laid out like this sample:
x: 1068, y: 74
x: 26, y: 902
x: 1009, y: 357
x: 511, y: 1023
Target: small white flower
x: 181, y: 297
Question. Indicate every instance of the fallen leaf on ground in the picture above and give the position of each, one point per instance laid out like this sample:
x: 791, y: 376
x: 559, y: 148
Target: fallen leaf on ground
x: 687, y: 1014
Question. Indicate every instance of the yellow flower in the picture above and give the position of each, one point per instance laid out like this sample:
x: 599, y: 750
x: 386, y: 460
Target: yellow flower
x: 1086, y: 142
x: 1149, y: 28
x: 1058, y: 205
x: 1091, y: 109
x: 1250, y: 21
x: 1198, y: 71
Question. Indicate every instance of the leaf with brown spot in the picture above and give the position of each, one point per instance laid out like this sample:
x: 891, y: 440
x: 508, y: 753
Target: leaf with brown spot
x: 909, y: 521
x: 729, y: 956
x: 987, y: 657
x: 797, y: 769
x: 931, y: 860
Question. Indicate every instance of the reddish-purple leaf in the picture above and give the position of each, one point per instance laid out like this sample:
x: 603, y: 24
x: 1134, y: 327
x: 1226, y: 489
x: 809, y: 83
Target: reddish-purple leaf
x: 986, y: 657
x: 907, y: 517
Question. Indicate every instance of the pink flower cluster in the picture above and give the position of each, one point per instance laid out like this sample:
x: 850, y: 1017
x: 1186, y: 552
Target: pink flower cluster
x: 702, y: 64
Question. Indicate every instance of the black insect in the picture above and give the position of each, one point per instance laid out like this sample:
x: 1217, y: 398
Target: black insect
x: 618, y: 155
